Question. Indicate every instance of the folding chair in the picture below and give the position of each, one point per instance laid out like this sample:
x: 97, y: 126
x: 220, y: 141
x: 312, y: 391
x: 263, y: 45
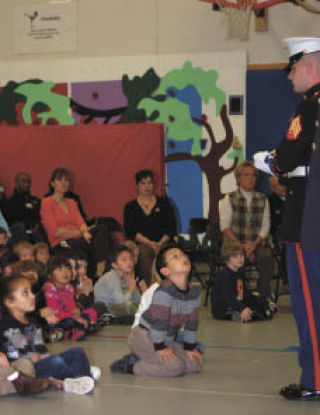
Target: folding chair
x: 203, y: 248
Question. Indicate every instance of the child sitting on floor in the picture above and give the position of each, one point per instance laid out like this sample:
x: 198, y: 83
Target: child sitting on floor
x: 7, y: 261
x: 46, y: 315
x: 24, y: 251
x: 118, y: 288
x: 42, y: 256
x: 29, y: 269
x: 21, y: 337
x: 230, y: 299
x: 60, y: 296
x: 175, y: 304
x: 134, y: 248
x: 83, y: 286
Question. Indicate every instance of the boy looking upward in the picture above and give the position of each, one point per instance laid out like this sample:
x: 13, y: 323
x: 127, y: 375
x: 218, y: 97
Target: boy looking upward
x: 175, y: 305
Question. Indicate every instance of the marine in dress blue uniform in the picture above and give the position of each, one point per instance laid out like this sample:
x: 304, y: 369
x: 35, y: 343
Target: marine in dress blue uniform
x: 291, y: 161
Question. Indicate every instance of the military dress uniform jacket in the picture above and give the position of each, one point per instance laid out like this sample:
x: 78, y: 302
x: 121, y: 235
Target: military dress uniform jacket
x: 295, y: 151
x: 310, y: 232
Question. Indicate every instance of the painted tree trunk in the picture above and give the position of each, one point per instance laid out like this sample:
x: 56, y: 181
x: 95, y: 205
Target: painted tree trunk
x: 209, y: 164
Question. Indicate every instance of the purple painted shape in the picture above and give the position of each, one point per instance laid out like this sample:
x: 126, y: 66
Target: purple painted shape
x: 98, y: 95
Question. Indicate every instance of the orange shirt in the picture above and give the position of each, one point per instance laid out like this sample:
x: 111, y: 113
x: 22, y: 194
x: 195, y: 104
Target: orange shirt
x: 54, y: 217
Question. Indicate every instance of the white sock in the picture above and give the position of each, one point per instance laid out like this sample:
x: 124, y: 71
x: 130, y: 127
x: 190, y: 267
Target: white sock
x: 95, y: 372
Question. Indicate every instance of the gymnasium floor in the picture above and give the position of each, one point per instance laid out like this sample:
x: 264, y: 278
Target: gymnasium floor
x: 245, y: 366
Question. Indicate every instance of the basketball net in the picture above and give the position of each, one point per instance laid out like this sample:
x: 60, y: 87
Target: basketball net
x: 238, y: 19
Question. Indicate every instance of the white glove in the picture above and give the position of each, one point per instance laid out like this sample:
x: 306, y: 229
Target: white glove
x: 263, y: 160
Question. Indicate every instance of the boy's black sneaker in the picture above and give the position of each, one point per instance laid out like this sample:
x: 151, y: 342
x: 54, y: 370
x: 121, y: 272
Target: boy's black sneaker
x: 124, y: 365
x: 93, y: 328
x: 105, y: 319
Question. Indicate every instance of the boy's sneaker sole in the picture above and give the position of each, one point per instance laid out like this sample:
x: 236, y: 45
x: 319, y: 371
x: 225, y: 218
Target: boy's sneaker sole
x: 80, y: 386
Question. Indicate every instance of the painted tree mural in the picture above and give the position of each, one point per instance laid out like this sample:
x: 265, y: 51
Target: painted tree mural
x: 209, y: 163
x: 181, y: 125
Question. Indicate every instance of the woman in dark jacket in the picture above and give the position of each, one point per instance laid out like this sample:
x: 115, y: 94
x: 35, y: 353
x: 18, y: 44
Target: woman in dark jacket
x: 148, y: 220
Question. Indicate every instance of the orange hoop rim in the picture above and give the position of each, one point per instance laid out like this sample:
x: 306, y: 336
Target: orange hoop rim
x: 244, y: 4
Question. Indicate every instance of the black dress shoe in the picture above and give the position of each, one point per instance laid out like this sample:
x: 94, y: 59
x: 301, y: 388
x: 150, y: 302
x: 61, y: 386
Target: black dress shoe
x: 294, y: 391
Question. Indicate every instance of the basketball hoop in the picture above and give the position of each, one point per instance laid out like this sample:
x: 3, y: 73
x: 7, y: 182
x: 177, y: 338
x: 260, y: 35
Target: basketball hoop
x: 238, y: 19
x: 238, y: 14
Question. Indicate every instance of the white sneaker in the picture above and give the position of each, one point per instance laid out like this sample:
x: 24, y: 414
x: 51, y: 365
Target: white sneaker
x: 95, y: 372
x: 80, y: 386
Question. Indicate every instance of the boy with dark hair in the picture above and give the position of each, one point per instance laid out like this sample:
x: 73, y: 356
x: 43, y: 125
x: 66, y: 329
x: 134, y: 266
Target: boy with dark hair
x: 6, y: 262
x: 175, y: 304
x: 230, y: 298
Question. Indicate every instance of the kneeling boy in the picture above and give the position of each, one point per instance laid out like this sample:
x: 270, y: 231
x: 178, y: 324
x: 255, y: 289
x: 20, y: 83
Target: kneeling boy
x: 175, y: 305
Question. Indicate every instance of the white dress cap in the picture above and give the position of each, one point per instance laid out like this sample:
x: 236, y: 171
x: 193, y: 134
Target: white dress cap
x: 302, y: 44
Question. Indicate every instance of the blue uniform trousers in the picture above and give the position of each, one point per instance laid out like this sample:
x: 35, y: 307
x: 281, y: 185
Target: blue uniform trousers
x: 304, y: 279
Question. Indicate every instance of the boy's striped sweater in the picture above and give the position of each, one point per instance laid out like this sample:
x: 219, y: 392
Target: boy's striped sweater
x: 170, y: 310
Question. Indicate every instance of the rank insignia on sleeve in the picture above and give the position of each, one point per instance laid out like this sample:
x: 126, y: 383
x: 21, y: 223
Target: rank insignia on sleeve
x: 295, y: 128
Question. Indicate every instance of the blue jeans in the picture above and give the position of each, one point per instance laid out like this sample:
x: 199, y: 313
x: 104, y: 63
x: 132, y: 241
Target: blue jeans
x: 72, y: 363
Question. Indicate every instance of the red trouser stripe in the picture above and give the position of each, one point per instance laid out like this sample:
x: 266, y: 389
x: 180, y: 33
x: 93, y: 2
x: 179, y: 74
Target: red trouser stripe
x: 310, y: 315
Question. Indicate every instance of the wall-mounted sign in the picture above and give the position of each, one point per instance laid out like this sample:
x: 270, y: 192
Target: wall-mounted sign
x: 48, y: 28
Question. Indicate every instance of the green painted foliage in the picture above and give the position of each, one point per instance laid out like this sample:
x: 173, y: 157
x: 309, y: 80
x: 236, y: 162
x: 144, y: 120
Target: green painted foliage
x: 9, y: 98
x: 176, y: 116
x: 205, y: 82
x: 58, y: 105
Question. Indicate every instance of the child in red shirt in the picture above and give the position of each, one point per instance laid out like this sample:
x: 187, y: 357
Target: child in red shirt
x: 60, y: 296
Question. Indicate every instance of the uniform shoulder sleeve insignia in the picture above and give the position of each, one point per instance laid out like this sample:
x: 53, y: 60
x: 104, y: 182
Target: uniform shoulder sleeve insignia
x: 294, y: 128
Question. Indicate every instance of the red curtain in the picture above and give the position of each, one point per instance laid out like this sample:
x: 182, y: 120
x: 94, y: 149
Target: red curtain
x: 102, y: 159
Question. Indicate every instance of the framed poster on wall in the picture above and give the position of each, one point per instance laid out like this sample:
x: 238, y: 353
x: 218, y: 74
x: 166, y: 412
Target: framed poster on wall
x: 45, y: 28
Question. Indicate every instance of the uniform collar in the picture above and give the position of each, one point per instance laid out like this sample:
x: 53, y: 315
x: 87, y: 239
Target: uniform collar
x: 313, y: 91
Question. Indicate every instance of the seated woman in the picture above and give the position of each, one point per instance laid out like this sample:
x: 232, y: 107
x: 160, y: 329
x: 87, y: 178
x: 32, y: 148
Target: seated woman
x: 245, y: 219
x: 148, y: 220
x: 66, y: 227
x: 71, y: 195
